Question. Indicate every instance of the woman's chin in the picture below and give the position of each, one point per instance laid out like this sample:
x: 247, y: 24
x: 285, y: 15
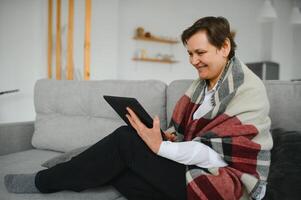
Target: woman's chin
x: 203, y: 76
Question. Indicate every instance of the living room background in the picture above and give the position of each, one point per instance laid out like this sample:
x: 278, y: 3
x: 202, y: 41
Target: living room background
x: 23, y: 41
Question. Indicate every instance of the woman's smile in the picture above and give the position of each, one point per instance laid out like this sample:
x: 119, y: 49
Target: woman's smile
x: 201, y: 67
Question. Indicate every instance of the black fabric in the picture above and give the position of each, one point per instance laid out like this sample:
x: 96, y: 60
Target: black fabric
x: 284, y: 180
x: 123, y: 160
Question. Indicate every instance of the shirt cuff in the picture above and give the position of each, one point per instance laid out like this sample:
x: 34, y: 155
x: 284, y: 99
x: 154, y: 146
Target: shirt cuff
x: 191, y: 153
x: 168, y: 149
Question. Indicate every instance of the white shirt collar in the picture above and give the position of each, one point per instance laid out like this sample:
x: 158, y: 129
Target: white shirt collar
x: 212, y: 90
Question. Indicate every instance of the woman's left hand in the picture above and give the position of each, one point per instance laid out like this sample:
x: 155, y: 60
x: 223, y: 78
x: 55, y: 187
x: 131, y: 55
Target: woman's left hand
x: 151, y: 136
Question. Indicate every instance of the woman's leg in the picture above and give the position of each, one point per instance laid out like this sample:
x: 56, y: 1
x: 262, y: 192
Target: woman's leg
x: 94, y: 167
x: 133, y: 187
x: 121, y: 159
x: 158, y: 173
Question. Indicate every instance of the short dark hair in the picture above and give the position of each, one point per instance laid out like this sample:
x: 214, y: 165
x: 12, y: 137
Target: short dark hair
x: 217, y: 30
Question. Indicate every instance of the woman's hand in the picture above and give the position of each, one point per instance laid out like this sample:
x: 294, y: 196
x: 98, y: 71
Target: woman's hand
x: 170, y: 136
x: 151, y: 136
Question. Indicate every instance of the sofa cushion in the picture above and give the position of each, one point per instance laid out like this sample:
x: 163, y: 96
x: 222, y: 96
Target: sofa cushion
x: 72, y: 114
x: 64, y: 157
x: 175, y: 90
x: 284, y: 97
x: 30, y: 162
x: 284, y: 177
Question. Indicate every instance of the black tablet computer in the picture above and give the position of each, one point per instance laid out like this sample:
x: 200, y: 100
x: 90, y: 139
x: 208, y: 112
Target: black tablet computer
x: 119, y: 104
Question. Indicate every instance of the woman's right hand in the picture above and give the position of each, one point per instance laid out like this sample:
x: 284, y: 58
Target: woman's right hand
x: 170, y: 136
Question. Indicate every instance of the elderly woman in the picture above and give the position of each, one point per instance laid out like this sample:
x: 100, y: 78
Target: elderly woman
x: 218, y: 141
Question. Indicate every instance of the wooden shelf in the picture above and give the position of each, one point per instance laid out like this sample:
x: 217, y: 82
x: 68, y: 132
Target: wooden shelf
x: 154, y: 60
x: 156, y: 39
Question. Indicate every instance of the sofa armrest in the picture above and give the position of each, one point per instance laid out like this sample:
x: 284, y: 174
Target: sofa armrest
x: 15, y: 137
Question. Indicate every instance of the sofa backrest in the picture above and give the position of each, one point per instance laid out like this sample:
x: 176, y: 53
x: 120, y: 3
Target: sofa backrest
x: 175, y: 90
x: 284, y: 97
x: 285, y: 101
x: 71, y: 114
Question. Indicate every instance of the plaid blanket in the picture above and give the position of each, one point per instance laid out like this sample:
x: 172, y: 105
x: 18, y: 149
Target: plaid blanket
x: 237, y: 128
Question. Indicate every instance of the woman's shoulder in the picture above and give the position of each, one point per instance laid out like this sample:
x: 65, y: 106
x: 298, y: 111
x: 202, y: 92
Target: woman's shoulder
x: 251, y: 79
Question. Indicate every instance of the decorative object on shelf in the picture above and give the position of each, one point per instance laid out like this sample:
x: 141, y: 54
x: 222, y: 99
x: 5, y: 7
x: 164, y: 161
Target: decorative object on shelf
x: 9, y: 91
x: 159, y: 56
x: 148, y: 36
x: 167, y: 57
x: 268, y: 12
x: 140, y: 32
x: 142, y: 55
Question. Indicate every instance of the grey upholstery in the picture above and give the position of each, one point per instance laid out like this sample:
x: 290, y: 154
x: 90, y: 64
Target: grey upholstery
x: 285, y: 102
x: 76, y: 107
x: 30, y: 161
x: 15, y: 137
x: 80, y: 111
x: 174, y: 91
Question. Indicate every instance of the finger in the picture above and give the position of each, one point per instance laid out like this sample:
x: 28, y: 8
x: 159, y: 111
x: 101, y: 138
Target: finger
x: 173, y: 137
x: 136, y: 119
x: 134, y: 125
x: 156, y: 123
x: 133, y: 115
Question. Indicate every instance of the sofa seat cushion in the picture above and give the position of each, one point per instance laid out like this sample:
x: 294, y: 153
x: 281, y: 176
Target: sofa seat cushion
x: 29, y: 162
x: 284, y: 178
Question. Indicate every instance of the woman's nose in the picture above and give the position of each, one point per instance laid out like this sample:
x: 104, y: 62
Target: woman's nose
x: 194, y: 60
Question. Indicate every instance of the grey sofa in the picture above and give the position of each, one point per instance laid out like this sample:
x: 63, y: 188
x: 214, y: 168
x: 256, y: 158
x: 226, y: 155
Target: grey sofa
x: 71, y: 114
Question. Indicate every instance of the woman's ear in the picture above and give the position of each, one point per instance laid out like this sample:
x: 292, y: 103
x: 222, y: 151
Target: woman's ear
x: 226, y: 48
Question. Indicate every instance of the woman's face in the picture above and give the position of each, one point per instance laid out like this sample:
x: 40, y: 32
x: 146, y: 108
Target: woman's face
x: 208, y: 60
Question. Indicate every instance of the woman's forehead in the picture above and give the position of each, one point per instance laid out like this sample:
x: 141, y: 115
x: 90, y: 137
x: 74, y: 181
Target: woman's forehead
x: 198, y: 41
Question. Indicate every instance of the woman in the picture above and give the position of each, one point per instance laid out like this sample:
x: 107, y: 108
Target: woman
x: 221, y: 125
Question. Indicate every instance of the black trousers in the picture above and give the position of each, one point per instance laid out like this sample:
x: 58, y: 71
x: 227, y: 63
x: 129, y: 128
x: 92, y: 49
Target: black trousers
x: 123, y: 160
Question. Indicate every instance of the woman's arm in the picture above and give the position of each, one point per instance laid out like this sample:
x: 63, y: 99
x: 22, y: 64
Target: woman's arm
x: 191, y: 153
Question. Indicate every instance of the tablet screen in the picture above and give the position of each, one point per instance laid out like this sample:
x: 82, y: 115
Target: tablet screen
x: 119, y: 104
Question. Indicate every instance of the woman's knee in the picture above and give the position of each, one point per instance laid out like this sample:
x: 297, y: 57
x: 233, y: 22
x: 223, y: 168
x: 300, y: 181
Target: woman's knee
x: 127, y: 136
x: 125, y: 132
x: 124, y: 128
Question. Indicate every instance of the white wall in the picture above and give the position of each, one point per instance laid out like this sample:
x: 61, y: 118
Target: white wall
x: 22, y: 55
x: 23, y: 41
x: 171, y: 17
x: 282, y: 49
x: 296, y: 53
x: 23, y: 48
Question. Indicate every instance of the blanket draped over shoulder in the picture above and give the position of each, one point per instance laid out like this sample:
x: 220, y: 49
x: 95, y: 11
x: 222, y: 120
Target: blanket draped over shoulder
x: 237, y: 128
